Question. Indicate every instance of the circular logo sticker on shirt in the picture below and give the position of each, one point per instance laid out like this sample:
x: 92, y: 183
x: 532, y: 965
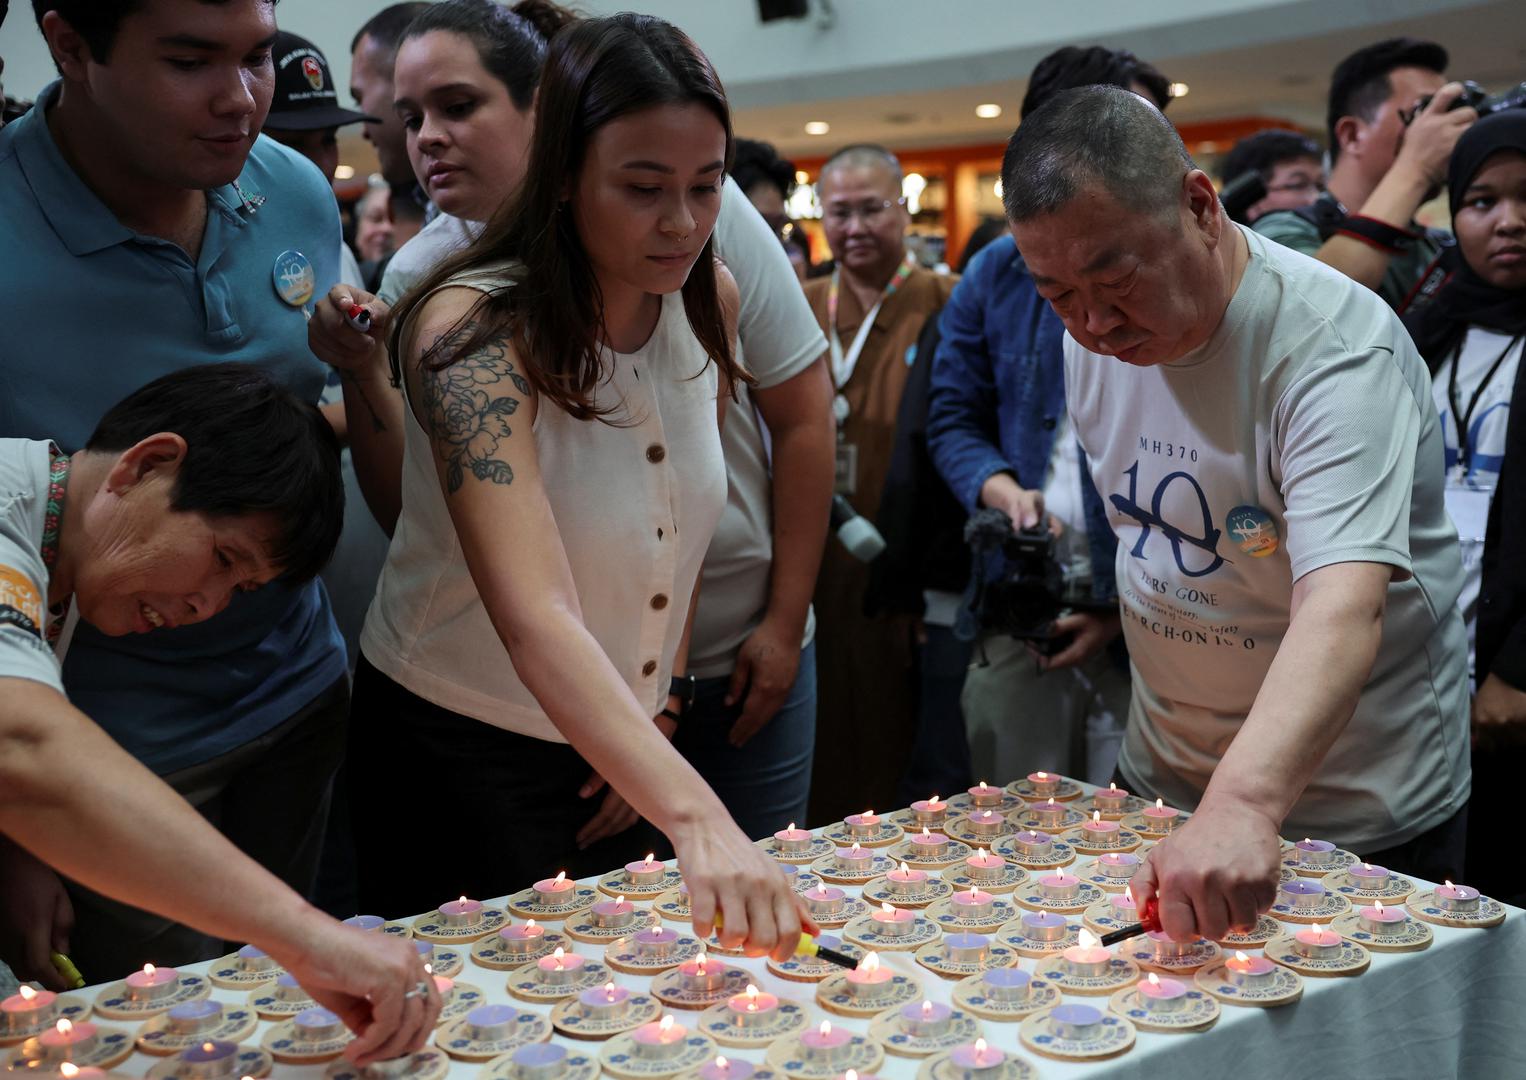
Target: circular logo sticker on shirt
x: 293, y: 276
x: 1253, y: 529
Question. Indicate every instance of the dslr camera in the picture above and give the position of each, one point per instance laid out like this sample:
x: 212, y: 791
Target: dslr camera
x: 1019, y: 588
x: 1476, y: 98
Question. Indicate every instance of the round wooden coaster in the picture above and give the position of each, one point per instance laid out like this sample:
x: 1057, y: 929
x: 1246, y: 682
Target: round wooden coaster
x: 757, y: 1074
x: 637, y: 958
x: 816, y: 850
x: 1423, y: 906
x: 1340, y: 859
x: 670, y: 988
x: 618, y: 883
x: 110, y: 1047
x: 989, y: 1003
x: 879, y: 891
x: 195, y: 1022
x: 430, y: 927
x: 1066, y: 791
x: 543, y: 1061
x: 1198, y: 1012
x: 284, y: 999
x: 511, y: 1028
x: 1120, y: 972
x: 1032, y: 816
x: 1143, y: 952
x: 862, y: 932
x: 1353, y: 959
x: 1396, y: 889
x: 581, y: 927
x: 440, y: 960
x: 292, y: 1043
x: 852, y: 908
x: 1104, y: 917
x: 1331, y: 905
x: 1411, y: 935
x: 494, y: 952
x: 1266, y: 929
x: 1010, y: 878
x: 940, y: 1067
x: 813, y: 968
x: 1045, y: 1033
x: 248, y: 1061
x: 113, y: 1003
x: 1151, y: 829
x: 1015, y: 937
x: 395, y: 928
x: 720, y: 1023
x: 963, y: 804
x: 946, y: 915
x: 960, y: 829
x: 621, y: 1058
x: 1091, y: 873
x: 1282, y: 988
x: 1031, y: 898
x: 827, y: 869
x: 1132, y: 804
x: 935, y: 958
x: 885, y: 834
x: 673, y: 906
x: 1124, y: 841
x: 833, y: 996
x: 528, y: 983
x: 570, y: 1018
x: 790, y: 1057
x: 527, y: 905
x: 953, y: 856
x: 244, y: 970
x: 802, y: 881
x: 1059, y: 854
x: 425, y: 1065
x: 909, y: 822
x: 65, y: 1007
x: 463, y: 998
x: 889, y: 1029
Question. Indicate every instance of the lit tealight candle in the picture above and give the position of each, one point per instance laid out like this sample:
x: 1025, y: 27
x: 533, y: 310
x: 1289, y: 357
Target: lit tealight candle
x: 1162, y: 995
x: 647, y: 871
x: 1087, y: 959
x: 977, y: 1059
x: 522, y: 939
x: 1048, y: 814
x: 557, y: 890
x: 1302, y: 895
x: 1033, y: 843
x: 792, y: 839
x: 892, y: 921
x: 1367, y: 876
x: 28, y: 1006
x: 825, y: 900
x: 905, y: 880
x: 152, y: 982
x: 1160, y: 817
x: 723, y: 1068
x: 1249, y: 971
x: 560, y: 968
x: 986, y: 823
x: 1059, y: 886
x: 655, y: 942
x: 1457, y: 897
x: 462, y: 912
x: 1112, y: 799
x: 70, y: 1071
x: 865, y: 824
x: 826, y: 1043
x: 1044, y: 926
x: 1315, y: 852
x: 659, y: 1039
x: 1044, y: 783
x: 752, y: 1007
x: 64, y: 1037
x: 930, y: 811
x: 975, y: 904
x: 984, y: 866
x: 604, y: 1002
x: 617, y: 912
x: 869, y: 981
x: 928, y: 845
x: 211, y: 1056
x: 925, y: 1018
x: 701, y: 975
x: 1098, y: 831
x: 1118, y: 864
x: 1315, y: 942
x: 1378, y: 919
x: 983, y: 794
x: 1123, y: 906
x: 856, y: 859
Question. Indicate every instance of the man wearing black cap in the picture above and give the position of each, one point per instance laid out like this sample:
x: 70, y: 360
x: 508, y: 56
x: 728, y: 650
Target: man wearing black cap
x: 305, y: 113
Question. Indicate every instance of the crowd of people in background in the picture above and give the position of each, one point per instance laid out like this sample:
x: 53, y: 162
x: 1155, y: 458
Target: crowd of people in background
x: 652, y: 534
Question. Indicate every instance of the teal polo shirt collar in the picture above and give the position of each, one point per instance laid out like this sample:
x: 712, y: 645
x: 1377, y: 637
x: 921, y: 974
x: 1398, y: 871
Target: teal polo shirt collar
x: 82, y: 221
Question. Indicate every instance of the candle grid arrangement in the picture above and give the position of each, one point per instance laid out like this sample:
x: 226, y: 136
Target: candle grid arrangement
x: 558, y: 976
x: 1076, y: 1033
x: 30, y: 1011
x: 193, y: 1022
x: 972, y: 910
x: 542, y: 1061
x: 927, y: 849
x: 1159, y: 952
x: 149, y: 992
x: 824, y: 1052
x: 517, y: 945
x: 922, y: 1028
x: 908, y: 887
x: 660, y: 1049
x: 892, y: 929
x: 312, y: 1037
x: 644, y: 878
x: 553, y: 899
x: 752, y: 1018
x: 1161, y: 1003
x: 959, y: 955
x: 1005, y: 994
x: 425, y: 1065
x: 245, y: 969
x: 214, y: 1058
x: 1036, y: 850
x: 490, y: 1030
x: 600, y: 1012
x: 456, y: 921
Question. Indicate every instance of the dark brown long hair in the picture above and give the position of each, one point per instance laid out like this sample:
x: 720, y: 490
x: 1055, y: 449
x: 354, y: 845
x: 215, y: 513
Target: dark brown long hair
x: 597, y: 70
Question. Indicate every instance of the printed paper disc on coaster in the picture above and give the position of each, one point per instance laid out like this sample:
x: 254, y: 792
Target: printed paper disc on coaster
x: 1347, y: 958
x: 1308, y: 907
x: 911, y: 822
x: 1050, y: 817
x: 1425, y: 906
x: 195, y: 1022
x: 1411, y: 935
x: 98, y: 1046
x: 1130, y: 804
x: 959, y: 955
x: 954, y: 916
x: 1033, y: 897
x: 1279, y: 986
x: 1196, y: 1011
x: 794, y: 1059
x: 915, y: 895
x: 543, y: 1061
x: 813, y: 968
x: 425, y: 1065
x: 624, y: 883
x: 981, y: 829
x: 1266, y: 928
x: 833, y: 913
x: 730, y: 1028
x: 1008, y: 878
x: 244, y: 970
x: 537, y: 984
x: 1391, y: 888
x: 942, y: 1067
x: 1036, y: 944
x: 498, y: 953
x: 437, y: 927
x: 311, y: 1037
x: 693, y: 987
x: 1005, y: 994
x: 866, y: 933
x: 247, y: 1061
x: 1076, y: 1033
x: 490, y: 1030
x: 527, y: 903
x: 834, y: 994
x: 1152, y: 828
x: 622, y: 1057
x: 931, y: 1028
x: 920, y: 856
x: 1112, y: 877
x: 13, y: 1029
x: 588, y: 1017
x: 163, y: 989
x: 1065, y: 791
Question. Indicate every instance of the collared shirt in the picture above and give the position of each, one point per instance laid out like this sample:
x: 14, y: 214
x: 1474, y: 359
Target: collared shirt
x: 92, y: 311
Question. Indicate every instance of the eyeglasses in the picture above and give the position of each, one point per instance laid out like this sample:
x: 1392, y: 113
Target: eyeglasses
x: 869, y: 213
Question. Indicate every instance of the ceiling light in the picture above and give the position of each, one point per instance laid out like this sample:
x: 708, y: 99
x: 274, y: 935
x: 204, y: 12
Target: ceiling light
x: 344, y: 172
x: 1179, y: 89
x: 996, y: 188
x: 989, y: 111
x: 817, y: 127
x: 802, y: 177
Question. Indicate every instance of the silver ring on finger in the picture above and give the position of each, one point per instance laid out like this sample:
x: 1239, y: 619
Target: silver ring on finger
x: 420, y: 989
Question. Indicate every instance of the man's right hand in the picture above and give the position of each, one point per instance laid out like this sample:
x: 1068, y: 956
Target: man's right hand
x: 1426, y: 149
x: 1002, y: 492
x: 334, y: 341
x: 36, y: 917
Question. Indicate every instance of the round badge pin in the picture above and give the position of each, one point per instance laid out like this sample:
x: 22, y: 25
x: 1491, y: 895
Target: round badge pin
x: 293, y: 278
x: 1254, y: 531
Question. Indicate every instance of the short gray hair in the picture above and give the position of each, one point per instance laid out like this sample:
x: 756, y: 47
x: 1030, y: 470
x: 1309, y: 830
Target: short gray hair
x: 1093, y: 136
x: 863, y: 156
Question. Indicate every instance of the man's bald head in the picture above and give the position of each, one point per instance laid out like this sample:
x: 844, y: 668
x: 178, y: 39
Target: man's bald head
x: 1088, y: 138
x: 864, y: 156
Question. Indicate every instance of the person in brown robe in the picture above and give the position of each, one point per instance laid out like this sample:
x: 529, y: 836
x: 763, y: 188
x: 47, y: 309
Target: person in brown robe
x: 866, y: 666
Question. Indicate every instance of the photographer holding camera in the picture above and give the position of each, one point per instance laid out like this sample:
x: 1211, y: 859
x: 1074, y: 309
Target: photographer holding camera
x: 1393, y: 120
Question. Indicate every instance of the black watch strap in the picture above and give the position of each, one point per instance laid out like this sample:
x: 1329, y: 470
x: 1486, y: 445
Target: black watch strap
x: 684, y: 688
x: 671, y: 715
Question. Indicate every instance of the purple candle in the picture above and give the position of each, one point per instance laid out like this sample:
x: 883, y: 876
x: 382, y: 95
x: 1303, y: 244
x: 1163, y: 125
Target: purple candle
x: 540, y: 1061
x: 1033, y: 843
x: 190, y: 1017
x: 986, y: 823
x: 1315, y: 852
x: 1007, y: 984
x: 1302, y: 895
x: 1074, y: 1021
x: 723, y: 1068
x: 865, y: 825
x: 1044, y: 926
x: 928, y: 845
x: 925, y: 1019
x: 1168, y: 948
x: 655, y: 942
x: 491, y: 1022
x: 1369, y: 877
x: 614, y: 913
x: 966, y: 948
x: 253, y: 958
x: 212, y: 1052
x: 1118, y: 864
x: 366, y: 922
x: 1048, y: 814
x: 316, y: 1025
x: 977, y: 1059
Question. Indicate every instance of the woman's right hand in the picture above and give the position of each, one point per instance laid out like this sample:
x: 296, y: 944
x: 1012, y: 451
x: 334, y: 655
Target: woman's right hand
x: 730, y: 877
x: 338, y: 344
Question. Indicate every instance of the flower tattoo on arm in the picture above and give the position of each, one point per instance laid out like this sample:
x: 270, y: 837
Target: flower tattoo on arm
x: 467, y: 406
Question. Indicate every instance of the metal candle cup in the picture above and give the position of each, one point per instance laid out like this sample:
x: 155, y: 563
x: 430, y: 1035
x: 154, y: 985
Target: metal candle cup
x: 152, y: 984
x: 792, y: 840
x: 366, y: 922
x: 1097, y: 831
x: 893, y: 922
x: 1087, y: 961
x: 1120, y: 865
x: 559, y: 969
x: 608, y: 1002
x: 192, y: 1016
x: 1111, y: 799
x: 702, y: 974
x: 1381, y: 920
x: 1044, y: 926
x: 316, y: 1025
x: 521, y: 940
x: 752, y: 1008
x: 1048, y: 814
x: 869, y: 981
x: 1162, y: 995
x: 647, y: 871
x: 1316, y: 943
x: 825, y: 900
x: 1160, y: 817
x: 1060, y: 886
x: 215, y: 1057
x: 930, y: 811
x: 288, y: 989
x: 984, y: 866
x: 904, y: 881
x: 925, y: 1018
x: 1168, y: 948
x: 613, y: 913
x: 1451, y: 897
x: 1044, y: 784
x: 253, y: 958
x: 1033, y: 843
x: 1007, y: 984
x: 655, y: 942
x: 855, y: 859
x: 1302, y: 895
x: 26, y: 1010
x: 1368, y: 876
x: 539, y: 1061
x: 66, y: 1039
x: 826, y: 1044
x: 1074, y: 1021
x: 864, y: 826
x: 983, y: 794
x: 488, y: 1023
x: 974, y: 904
x: 461, y: 913
x: 1315, y: 852
x: 557, y: 890
x: 928, y: 845
x: 966, y: 948
x: 986, y: 823
x: 1250, y: 972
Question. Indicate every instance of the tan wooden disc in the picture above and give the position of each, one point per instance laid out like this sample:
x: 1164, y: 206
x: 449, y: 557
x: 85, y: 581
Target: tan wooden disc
x: 817, y: 849
x: 889, y: 1030
x: 490, y: 952
x: 580, y: 1065
x: 1266, y: 928
x: 833, y: 996
x: 281, y: 1043
x: 424, y: 1065
x: 620, y: 1059
x: 1353, y: 958
x: 669, y: 987
x: 934, y: 957
x: 972, y: 994
x: 879, y: 891
x: 527, y: 905
x: 939, y: 1067
x: 1412, y: 936
x: 1283, y: 988
x: 673, y: 906
x: 569, y: 1019
x: 884, y: 835
x: 862, y: 932
x: 1200, y: 1012
x: 1127, y: 842
x: 581, y: 927
x: 1032, y: 898
x: 1396, y: 889
x: 789, y: 1057
x: 720, y: 1024
x: 626, y: 954
x: 827, y: 869
x: 908, y: 853
x: 431, y: 927
x: 1340, y: 859
x: 1114, y: 1036
x: 462, y: 1043
x: 1012, y: 876
x: 1068, y: 790
x: 526, y: 983
x: 1142, y: 952
x: 810, y: 969
x: 946, y: 914
x: 234, y: 973
x: 250, y: 1061
x: 618, y: 883
x: 1423, y: 906
x: 112, y: 1003
x: 1120, y: 972
x: 233, y: 1024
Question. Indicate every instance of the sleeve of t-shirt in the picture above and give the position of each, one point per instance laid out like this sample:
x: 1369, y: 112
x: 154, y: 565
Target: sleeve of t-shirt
x: 24, y: 650
x: 1289, y: 230
x: 780, y: 336
x: 1349, y: 433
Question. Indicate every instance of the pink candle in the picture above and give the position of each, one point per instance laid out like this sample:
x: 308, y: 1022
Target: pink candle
x: 1044, y: 783
x: 905, y: 880
x: 152, y: 982
x: 752, y: 1008
x: 930, y: 811
x: 701, y: 975
x: 825, y: 900
x: 975, y: 904
x: 1124, y: 907
x: 723, y: 1068
x: 1457, y: 897
x: 925, y: 1019
x: 826, y: 1043
x: 893, y: 922
x: 986, y: 823
x: 1249, y: 971
x: 557, y: 890
x: 647, y: 871
x: 462, y: 912
x: 1033, y: 843
x: 1099, y: 831
x: 604, y: 1001
x: 617, y: 912
x: 659, y: 1039
x: 855, y: 860
x: 523, y: 939
x: 865, y: 824
x: 792, y: 839
x: 1060, y: 886
x: 445, y: 986
x: 28, y: 1005
x: 1088, y: 958
x: 1160, y: 817
x: 977, y: 1058
x: 1367, y: 876
x: 928, y: 845
x: 983, y: 866
x: 1162, y: 995
x: 1316, y: 941
x: 1113, y: 799
x: 1378, y: 919
x: 983, y: 794
x: 869, y: 981
x: 63, y: 1037
x: 560, y: 968
x: 1048, y: 814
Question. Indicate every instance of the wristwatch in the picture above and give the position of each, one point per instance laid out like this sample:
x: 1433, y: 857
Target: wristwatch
x: 683, y: 687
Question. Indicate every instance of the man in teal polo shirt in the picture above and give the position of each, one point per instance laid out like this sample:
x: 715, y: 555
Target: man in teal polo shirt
x: 148, y: 228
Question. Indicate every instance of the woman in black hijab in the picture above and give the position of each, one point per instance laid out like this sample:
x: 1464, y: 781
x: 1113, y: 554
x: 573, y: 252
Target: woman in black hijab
x: 1472, y: 332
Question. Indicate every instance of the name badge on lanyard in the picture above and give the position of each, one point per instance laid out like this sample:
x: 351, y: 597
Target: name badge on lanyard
x: 843, y: 365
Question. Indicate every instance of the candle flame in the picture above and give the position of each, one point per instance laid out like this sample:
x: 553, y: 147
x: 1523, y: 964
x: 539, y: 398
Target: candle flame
x: 1240, y: 956
x: 927, y: 1008
x: 924, y: 831
x: 886, y: 908
x: 462, y: 900
x: 1128, y: 892
x: 208, y: 1047
x: 27, y: 993
x: 609, y: 991
x: 666, y: 1024
x: 1113, y: 786
x: 981, y: 853
x: 64, y: 1028
x: 855, y: 847
x: 557, y: 957
x: 657, y: 931
x: 619, y: 900
x: 983, y: 785
x: 148, y: 969
x: 1367, y: 866
x: 561, y: 876
x: 428, y: 969
x: 651, y: 857
x: 974, y: 895
x: 934, y: 798
x: 1087, y: 939
x: 1319, y: 931
x: 868, y: 813
x: 752, y: 992
x: 721, y: 1063
x: 1449, y: 884
x: 821, y: 892
x: 1378, y: 906
x: 851, y: 1074
x: 1154, y: 979
x: 1050, y: 804
x: 1160, y: 804
x: 529, y: 924
x: 791, y: 827
x: 825, y: 1028
x: 870, y: 962
x: 905, y: 869
x: 699, y: 962
x: 1041, y: 775
x: 980, y: 1048
x: 68, y: 1070
x: 1096, y: 815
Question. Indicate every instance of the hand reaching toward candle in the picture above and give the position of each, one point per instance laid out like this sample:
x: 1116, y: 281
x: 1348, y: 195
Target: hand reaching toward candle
x: 731, y: 879
x: 1217, y: 872
x: 335, y: 340
x: 35, y: 917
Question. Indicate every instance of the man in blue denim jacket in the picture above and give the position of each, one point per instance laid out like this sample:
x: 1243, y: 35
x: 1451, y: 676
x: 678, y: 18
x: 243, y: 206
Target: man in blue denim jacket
x: 999, y: 435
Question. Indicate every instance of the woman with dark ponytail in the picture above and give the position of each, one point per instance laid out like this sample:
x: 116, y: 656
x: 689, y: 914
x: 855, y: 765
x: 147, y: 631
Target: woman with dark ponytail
x: 565, y: 376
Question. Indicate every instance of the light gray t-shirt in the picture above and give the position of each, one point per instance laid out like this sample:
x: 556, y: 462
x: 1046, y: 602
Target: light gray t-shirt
x: 426, y: 249
x: 1300, y: 435
x: 24, y: 649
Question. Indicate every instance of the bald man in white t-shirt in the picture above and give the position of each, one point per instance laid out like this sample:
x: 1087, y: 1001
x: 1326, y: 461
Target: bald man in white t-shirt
x: 1260, y: 429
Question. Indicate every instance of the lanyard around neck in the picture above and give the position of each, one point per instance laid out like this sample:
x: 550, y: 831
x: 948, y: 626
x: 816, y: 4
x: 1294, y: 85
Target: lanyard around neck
x: 1463, y: 418
x: 843, y: 363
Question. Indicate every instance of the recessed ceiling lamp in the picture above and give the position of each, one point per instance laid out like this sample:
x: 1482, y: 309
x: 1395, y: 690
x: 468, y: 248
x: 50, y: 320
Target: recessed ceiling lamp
x: 989, y: 111
x: 344, y: 172
x: 1179, y: 89
x: 817, y: 127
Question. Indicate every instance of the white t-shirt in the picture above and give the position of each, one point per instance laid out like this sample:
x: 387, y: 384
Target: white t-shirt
x: 1472, y: 477
x: 635, y: 501
x: 1300, y: 435
x: 1062, y: 499
x: 24, y: 650
x: 443, y: 236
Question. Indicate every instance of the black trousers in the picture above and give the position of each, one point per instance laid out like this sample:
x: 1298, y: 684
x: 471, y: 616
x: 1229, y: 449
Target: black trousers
x: 444, y: 805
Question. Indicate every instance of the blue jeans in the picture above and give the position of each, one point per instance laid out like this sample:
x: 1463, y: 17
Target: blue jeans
x: 766, y: 782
